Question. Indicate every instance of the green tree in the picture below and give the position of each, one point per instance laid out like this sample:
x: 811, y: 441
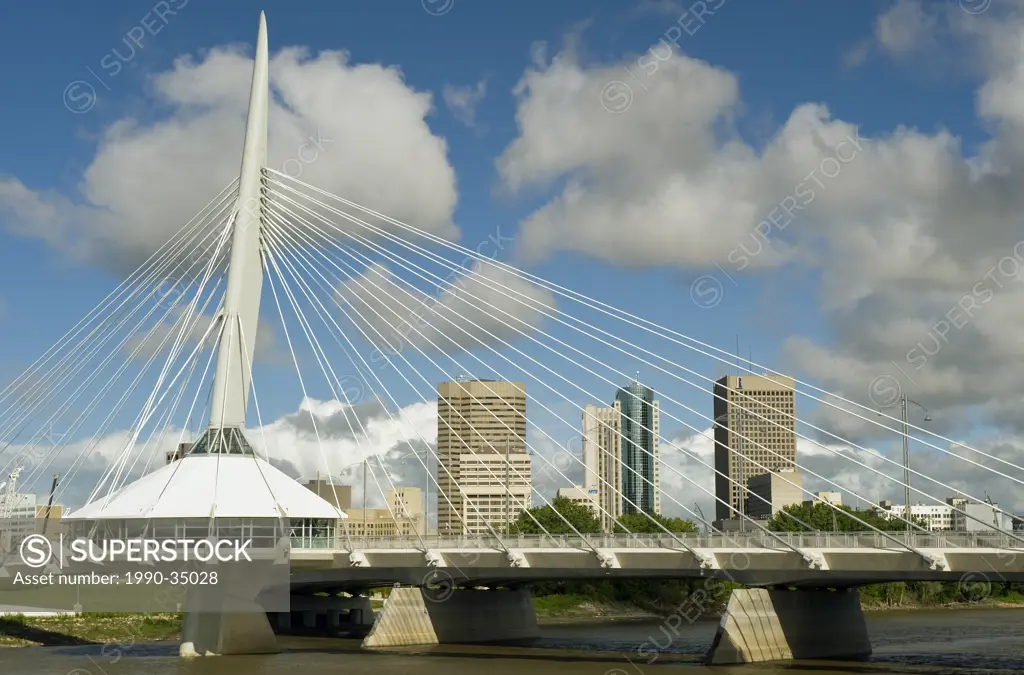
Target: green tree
x: 823, y: 517
x: 553, y: 518
x: 642, y: 522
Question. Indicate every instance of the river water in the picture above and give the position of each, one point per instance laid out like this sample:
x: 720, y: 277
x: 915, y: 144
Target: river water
x: 925, y: 642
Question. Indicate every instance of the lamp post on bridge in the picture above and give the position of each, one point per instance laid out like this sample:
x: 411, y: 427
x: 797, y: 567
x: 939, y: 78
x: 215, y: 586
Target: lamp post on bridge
x: 906, y: 451
x: 904, y: 400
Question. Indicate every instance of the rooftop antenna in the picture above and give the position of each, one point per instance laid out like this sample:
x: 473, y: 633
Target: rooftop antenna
x: 739, y: 368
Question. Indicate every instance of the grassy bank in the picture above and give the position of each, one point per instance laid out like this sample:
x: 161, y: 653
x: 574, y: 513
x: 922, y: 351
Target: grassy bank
x: 120, y: 631
x: 571, y: 607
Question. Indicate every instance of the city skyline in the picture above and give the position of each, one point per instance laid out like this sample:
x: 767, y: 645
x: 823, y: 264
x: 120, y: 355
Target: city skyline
x: 816, y: 324
x: 432, y: 276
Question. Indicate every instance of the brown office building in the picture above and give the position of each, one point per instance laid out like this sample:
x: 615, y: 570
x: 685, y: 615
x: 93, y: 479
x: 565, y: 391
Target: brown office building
x: 755, y: 433
x: 479, y: 424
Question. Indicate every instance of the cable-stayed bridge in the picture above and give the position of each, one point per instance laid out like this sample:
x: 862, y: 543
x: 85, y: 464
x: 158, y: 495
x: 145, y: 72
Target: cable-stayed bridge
x: 367, y: 309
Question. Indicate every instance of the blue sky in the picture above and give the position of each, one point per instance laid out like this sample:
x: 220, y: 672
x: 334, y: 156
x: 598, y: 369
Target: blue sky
x: 783, y: 54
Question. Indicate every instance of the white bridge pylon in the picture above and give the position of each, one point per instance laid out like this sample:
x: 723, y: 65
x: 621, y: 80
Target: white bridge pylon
x: 221, y: 476
x: 375, y: 310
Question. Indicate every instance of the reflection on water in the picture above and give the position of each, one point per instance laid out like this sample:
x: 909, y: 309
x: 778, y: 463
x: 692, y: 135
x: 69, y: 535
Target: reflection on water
x: 932, y: 643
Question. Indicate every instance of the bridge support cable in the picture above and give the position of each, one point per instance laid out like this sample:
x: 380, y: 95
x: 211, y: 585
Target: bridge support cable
x: 348, y: 402
x: 270, y: 263
x: 247, y: 359
x: 272, y: 257
x: 345, y: 215
x: 498, y: 419
x: 57, y: 449
x: 103, y: 334
x: 381, y: 291
x: 440, y: 464
x: 45, y: 386
x: 332, y: 380
x: 493, y: 283
x: 220, y: 326
x: 263, y: 433
x: 118, y: 465
x: 651, y: 327
x: 386, y: 293
x: 792, y: 516
x: 190, y: 320
x: 155, y: 261
x: 82, y: 457
x: 270, y: 233
x: 281, y: 224
x: 278, y: 255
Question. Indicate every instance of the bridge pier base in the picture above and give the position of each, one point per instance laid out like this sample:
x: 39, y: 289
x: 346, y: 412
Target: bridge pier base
x: 229, y: 622
x: 216, y: 634
x: 412, y: 616
x: 777, y: 625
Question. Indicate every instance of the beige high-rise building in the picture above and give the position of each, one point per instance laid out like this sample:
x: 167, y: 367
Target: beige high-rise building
x: 484, y: 470
x: 755, y: 433
x: 602, y: 459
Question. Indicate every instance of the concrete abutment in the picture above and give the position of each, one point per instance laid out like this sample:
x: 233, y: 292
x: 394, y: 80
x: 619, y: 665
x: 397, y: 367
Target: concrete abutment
x: 776, y: 625
x: 412, y: 616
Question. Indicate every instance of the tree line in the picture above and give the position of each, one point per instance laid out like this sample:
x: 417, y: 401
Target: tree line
x: 563, y: 516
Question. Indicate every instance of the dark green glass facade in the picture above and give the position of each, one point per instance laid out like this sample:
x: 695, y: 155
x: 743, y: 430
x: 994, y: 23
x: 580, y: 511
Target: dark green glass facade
x: 639, y: 433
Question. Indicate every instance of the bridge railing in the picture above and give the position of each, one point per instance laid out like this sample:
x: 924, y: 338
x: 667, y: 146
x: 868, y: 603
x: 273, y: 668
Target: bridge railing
x: 746, y: 540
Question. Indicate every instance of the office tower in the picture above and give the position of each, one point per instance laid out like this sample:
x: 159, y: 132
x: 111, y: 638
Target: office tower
x: 602, y: 459
x: 755, y: 433
x: 641, y: 472
x: 484, y: 471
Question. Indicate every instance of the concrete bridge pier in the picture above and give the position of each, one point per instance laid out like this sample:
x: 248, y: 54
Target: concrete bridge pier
x: 762, y: 624
x: 417, y: 616
x: 234, y: 623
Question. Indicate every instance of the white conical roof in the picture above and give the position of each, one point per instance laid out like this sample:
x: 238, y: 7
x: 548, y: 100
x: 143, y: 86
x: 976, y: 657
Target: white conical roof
x: 211, y: 486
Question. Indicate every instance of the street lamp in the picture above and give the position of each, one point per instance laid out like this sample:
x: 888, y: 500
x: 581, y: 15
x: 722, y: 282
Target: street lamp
x: 906, y: 449
x: 906, y: 452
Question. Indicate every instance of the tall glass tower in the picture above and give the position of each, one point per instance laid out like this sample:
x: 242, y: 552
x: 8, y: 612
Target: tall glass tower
x: 641, y: 475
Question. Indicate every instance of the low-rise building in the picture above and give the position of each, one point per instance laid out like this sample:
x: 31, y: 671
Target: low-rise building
x: 403, y: 516
x: 833, y: 498
x: 580, y: 495
x: 981, y: 517
x: 769, y: 493
x: 958, y: 514
x: 339, y: 495
x: 935, y: 517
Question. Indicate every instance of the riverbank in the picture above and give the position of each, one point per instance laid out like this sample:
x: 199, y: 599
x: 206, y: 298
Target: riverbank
x: 123, y: 630
x: 584, y: 609
x: 568, y: 608
x: 914, y: 606
x: 118, y: 630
